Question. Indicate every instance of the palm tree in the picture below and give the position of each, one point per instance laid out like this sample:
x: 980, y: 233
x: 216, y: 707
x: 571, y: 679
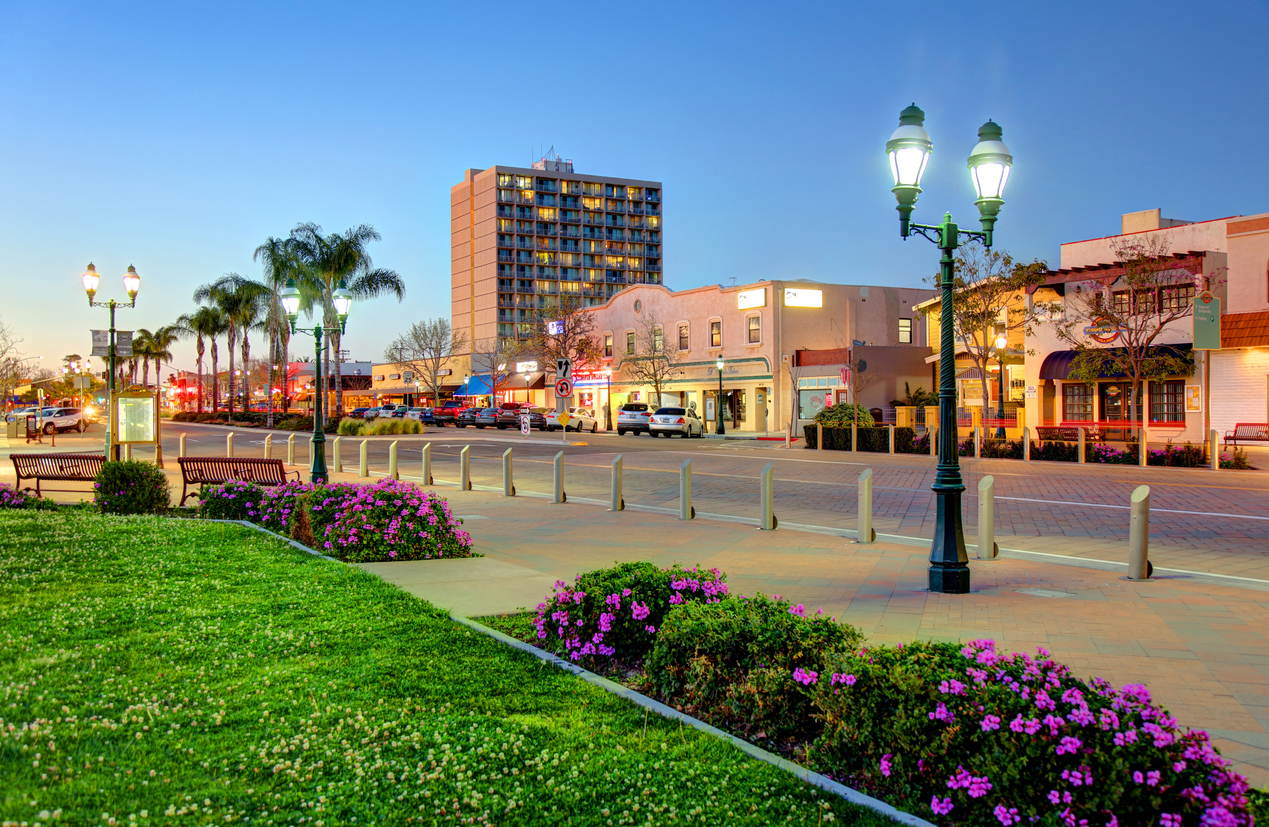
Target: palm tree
x: 142, y: 348
x: 161, y: 342
x: 202, y: 324
x: 327, y: 260
x: 250, y: 314
x: 232, y: 294
x: 279, y: 263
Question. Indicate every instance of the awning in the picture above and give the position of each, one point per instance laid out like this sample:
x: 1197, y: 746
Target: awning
x: 479, y: 385
x: 1057, y: 365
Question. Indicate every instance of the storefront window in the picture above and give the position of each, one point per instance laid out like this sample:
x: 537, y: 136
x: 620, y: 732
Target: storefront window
x: 1077, y: 402
x: 1167, y: 401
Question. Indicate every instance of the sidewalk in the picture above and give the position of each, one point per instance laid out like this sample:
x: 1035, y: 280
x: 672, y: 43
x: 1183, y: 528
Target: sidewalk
x: 1203, y: 649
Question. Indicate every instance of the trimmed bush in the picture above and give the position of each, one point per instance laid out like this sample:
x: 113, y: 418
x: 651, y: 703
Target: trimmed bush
x: 11, y: 497
x: 844, y: 413
x: 1187, y: 456
x: 1055, y: 451
x: 235, y: 500
x: 744, y: 663
x: 379, y: 427
x: 616, y: 612
x: 969, y: 736
x: 132, y: 487
x: 876, y: 440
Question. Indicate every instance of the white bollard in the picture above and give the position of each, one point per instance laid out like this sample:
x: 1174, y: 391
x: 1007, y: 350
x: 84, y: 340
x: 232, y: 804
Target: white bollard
x: 769, y: 521
x: 1143, y: 454
x: 363, y: 462
x: 182, y: 449
x: 268, y: 446
x: 427, y: 464
x: 819, y: 442
x: 686, y: 511
x: 127, y: 452
x: 1026, y: 444
x: 864, y: 532
x: 616, y: 502
x: 1081, y: 446
x: 890, y: 428
x: 1139, y: 567
x: 464, y: 468
x: 987, y: 548
x: 1214, y: 454
x: 229, y: 445
x: 290, y: 450
x: 392, y: 461
x: 934, y: 441
x: 788, y: 436
x: 336, y: 461
x: 508, y: 487
x: 557, y: 488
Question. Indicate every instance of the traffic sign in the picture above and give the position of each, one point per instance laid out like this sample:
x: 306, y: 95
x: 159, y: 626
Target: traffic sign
x: 524, y: 424
x: 564, y: 369
x: 563, y: 388
x: 564, y: 419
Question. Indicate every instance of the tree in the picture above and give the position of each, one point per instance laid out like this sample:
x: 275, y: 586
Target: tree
x: 562, y: 329
x: 325, y: 260
x: 652, y: 363
x: 279, y: 262
x: 493, y: 357
x: 203, y: 324
x: 142, y: 348
x: 425, y: 348
x: 990, y: 301
x: 1132, y: 305
x: 11, y: 363
x: 161, y: 342
x: 239, y: 300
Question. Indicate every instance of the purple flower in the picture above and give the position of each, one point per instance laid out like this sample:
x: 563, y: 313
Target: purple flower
x: 941, y: 807
x: 1006, y: 815
x: 805, y: 677
x: 990, y: 722
x: 885, y: 765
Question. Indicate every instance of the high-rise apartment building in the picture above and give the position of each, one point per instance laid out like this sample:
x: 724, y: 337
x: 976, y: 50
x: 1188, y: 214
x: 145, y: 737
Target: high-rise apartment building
x: 521, y: 237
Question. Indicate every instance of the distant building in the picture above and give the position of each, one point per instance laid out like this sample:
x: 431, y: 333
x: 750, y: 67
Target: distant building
x: 520, y: 236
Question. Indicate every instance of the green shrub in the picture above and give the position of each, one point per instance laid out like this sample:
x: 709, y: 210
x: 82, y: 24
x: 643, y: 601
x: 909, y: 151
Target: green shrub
x: 132, y: 487
x: 1055, y: 451
x: 1237, y: 461
x: 873, y: 439
x: 842, y: 414
x: 390, y: 427
x: 1001, y: 449
x: 737, y: 663
x: 11, y: 497
x: 616, y: 612
x: 1187, y: 456
x: 349, y: 427
x: 235, y: 500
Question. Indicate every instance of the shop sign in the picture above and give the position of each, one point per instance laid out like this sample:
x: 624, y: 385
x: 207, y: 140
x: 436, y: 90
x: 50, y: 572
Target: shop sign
x: 747, y: 299
x: 803, y: 297
x: 1207, y: 322
x: 1194, y: 397
x: 526, y: 367
x: 555, y: 328
x: 1031, y: 392
x: 1104, y: 331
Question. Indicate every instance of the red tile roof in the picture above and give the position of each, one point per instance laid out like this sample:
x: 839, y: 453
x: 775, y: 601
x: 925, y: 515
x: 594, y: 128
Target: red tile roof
x: 1245, y: 329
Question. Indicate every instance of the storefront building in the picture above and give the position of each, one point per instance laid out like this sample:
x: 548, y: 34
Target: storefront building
x: 407, y: 385
x: 1240, y: 369
x: 757, y: 331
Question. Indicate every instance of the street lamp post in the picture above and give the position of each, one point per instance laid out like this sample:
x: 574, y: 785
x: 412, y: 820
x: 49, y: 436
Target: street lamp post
x: 131, y: 284
x: 989, y: 164
x: 719, y: 428
x: 608, y: 402
x: 1001, y: 342
x: 342, y: 299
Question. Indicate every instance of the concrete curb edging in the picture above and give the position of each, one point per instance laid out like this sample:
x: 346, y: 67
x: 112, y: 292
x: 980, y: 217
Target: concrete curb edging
x: 823, y: 782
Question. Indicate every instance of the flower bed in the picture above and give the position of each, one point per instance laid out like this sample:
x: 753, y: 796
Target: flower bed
x: 390, y: 520
x: 963, y: 735
x: 11, y: 497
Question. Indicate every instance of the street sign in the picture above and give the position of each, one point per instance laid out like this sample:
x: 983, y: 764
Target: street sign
x: 564, y: 369
x: 563, y: 389
x: 564, y: 420
x: 555, y: 328
x: 101, y: 343
x: 123, y: 344
x: 1207, y: 322
x: 524, y: 424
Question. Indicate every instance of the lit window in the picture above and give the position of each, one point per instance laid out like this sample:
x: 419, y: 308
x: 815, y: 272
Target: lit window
x: 630, y: 343
x: 684, y: 342
x: 658, y: 339
x: 607, y: 345
x: 905, y: 331
x: 716, y: 334
x: 755, y: 330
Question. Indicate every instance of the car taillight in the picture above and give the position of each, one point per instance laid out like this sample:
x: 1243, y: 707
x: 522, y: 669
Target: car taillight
x: 680, y: 420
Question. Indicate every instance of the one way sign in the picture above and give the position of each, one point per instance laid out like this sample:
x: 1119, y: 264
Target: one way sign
x: 563, y: 369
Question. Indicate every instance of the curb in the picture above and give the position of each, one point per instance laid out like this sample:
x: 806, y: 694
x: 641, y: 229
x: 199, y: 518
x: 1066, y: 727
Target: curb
x: 849, y: 794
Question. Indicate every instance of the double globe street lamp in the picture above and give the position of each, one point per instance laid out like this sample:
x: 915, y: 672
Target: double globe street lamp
x: 342, y: 300
x: 989, y: 163
x: 132, y: 285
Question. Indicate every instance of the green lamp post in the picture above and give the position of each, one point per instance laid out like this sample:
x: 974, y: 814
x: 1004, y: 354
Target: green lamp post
x: 719, y: 428
x: 1001, y: 344
x: 909, y: 149
x: 131, y: 285
x: 342, y: 300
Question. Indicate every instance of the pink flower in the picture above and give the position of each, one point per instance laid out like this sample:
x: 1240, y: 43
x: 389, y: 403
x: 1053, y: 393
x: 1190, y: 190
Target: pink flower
x: 942, y: 807
x: 1007, y: 816
x: 885, y: 765
x: 805, y: 677
x: 990, y: 722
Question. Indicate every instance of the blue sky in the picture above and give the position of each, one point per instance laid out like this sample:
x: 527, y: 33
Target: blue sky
x: 178, y: 136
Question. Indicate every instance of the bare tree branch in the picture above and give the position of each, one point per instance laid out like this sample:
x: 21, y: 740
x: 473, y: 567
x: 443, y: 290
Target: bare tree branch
x: 425, y: 348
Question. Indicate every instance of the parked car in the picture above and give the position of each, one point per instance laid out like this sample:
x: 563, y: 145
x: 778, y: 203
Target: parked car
x: 634, y: 417
x: 448, y: 411
x: 58, y: 419
x: 487, y: 418
x: 358, y: 413
x: 681, y: 421
x: 579, y: 419
x: 509, y: 415
x: 466, y: 416
x: 398, y: 413
x: 539, y: 418
x: 423, y: 415
x: 372, y: 413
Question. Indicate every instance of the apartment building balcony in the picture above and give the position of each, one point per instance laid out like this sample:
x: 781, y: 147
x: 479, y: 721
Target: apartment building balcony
x: 570, y: 202
x: 615, y: 221
x: 547, y: 244
x: 506, y: 212
x: 615, y: 206
x: 652, y: 268
x: 525, y: 213
x: 506, y: 301
x: 614, y: 235
x: 654, y: 197
x: 506, y: 256
x: 652, y: 209
x: 570, y: 218
x: 570, y: 232
x: 614, y: 192
x: 547, y: 259
x: 546, y: 185
x: 525, y: 243
x: 546, y: 229
x: 635, y: 208
x: 506, y: 196
x: 524, y: 258
x: 545, y: 200
x: 524, y: 197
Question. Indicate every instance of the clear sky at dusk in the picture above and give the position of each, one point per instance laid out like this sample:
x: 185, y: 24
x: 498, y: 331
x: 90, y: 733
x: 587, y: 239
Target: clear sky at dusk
x: 178, y: 136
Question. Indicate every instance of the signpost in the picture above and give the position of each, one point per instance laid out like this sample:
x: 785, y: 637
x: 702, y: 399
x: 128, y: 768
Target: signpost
x: 564, y: 369
x: 524, y: 424
x: 563, y: 388
x: 1207, y: 322
x: 564, y: 419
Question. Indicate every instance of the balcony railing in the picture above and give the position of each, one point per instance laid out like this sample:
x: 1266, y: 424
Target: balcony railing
x: 506, y: 212
x: 570, y: 232
x: 652, y: 268
x: 546, y: 229
x: 507, y: 256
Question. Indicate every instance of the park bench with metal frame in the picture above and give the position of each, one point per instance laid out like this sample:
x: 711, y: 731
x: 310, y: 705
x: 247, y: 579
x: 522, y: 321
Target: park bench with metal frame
x: 202, y: 471
x: 1247, y: 432
x: 59, y: 467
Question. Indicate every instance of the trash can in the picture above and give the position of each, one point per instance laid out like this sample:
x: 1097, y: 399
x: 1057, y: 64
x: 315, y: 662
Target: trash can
x: 11, y: 427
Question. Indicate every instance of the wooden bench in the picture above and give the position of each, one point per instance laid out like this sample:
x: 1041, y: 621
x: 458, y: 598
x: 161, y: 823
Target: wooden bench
x: 67, y: 467
x: 1247, y: 432
x: 202, y: 471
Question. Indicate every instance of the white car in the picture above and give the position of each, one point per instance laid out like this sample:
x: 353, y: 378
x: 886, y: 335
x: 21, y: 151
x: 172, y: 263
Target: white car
x: 55, y: 419
x: 579, y: 419
x: 372, y: 413
x: 634, y: 417
x: 681, y: 421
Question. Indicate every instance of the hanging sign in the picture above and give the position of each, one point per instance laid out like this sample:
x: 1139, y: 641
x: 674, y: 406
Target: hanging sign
x: 1207, y: 322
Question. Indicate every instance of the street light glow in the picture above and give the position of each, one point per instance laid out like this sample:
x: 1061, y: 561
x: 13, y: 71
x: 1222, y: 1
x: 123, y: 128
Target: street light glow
x: 990, y: 162
x: 132, y: 282
x: 91, y: 280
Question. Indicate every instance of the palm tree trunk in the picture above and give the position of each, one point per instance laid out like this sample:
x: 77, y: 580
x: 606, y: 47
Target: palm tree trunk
x: 339, y: 385
x: 215, y: 389
x: 200, y: 374
x: 246, y: 371
x: 229, y: 377
x: 145, y: 372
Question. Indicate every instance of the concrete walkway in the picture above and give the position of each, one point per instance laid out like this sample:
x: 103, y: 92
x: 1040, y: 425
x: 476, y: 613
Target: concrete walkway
x: 1202, y: 648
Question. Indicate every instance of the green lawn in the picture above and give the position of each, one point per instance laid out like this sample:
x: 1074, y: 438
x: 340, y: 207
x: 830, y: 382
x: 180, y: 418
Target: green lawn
x: 173, y: 671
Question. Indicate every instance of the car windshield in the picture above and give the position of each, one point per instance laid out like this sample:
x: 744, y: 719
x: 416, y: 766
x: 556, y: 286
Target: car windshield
x: 670, y: 412
x: 634, y: 408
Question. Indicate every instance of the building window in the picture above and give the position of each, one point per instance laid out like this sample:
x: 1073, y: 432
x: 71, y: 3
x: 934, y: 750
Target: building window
x: 1077, y: 402
x: 630, y: 343
x: 1177, y: 299
x: 905, y: 331
x: 716, y: 333
x: 658, y: 340
x: 684, y: 340
x: 607, y: 345
x: 754, y: 325
x: 1167, y: 401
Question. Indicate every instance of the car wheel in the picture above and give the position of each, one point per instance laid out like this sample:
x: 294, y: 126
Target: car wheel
x: 594, y: 426
x: 50, y: 428
x: 80, y: 426
x: 621, y: 432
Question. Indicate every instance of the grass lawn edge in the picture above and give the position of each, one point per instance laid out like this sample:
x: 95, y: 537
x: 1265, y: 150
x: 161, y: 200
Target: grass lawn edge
x: 848, y: 794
